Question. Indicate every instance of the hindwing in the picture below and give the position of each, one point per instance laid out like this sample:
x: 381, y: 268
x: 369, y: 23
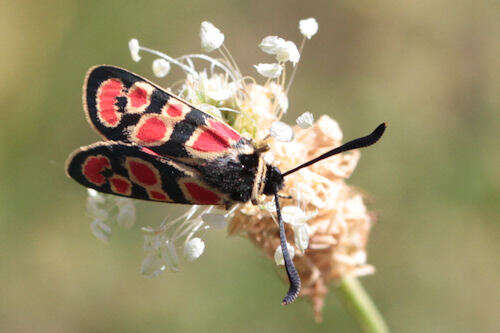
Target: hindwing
x: 125, y: 107
x: 129, y: 170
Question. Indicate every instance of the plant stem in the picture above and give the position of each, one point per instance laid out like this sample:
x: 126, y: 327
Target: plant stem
x: 361, y: 306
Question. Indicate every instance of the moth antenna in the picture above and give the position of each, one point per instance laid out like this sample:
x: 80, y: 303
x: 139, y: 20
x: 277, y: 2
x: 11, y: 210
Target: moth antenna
x: 293, y: 275
x: 354, y: 144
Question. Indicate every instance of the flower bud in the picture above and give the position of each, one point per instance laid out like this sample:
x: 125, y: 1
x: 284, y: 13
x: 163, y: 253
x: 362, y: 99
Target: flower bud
x: 308, y: 27
x: 211, y: 37
x: 269, y: 70
x: 161, y: 67
x: 194, y: 248
x: 271, y: 44
x: 281, y: 131
x: 305, y: 120
x: 133, y: 46
x: 288, y: 52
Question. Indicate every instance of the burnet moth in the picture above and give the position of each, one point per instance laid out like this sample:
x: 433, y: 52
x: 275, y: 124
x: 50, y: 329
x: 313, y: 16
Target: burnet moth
x: 160, y: 148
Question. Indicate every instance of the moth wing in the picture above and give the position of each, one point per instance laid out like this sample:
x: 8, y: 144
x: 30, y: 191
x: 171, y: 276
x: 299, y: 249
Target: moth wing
x: 133, y: 171
x: 123, y: 106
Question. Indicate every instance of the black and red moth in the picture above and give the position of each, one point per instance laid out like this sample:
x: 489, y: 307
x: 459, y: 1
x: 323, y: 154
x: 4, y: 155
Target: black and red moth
x: 160, y: 148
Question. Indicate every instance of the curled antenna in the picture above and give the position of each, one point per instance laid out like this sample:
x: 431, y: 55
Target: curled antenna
x: 293, y: 275
x: 354, y: 144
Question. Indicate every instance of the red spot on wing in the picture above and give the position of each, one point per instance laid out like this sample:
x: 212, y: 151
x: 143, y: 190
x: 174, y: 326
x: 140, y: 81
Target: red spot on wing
x: 157, y: 195
x: 120, y: 185
x: 207, y: 141
x: 152, y: 130
x: 143, y: 173
x: 138, y: 97
x: 106, y: 102
x: 92, y: 168
x: 174, y: 110
x: 223, y: 130
x: 201, y: 195
x: 217, y: 137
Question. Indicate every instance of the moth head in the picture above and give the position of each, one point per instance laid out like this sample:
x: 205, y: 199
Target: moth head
x: 273, y: 181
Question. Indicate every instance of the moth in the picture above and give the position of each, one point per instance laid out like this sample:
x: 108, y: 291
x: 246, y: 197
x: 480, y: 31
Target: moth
x: 158, y: 147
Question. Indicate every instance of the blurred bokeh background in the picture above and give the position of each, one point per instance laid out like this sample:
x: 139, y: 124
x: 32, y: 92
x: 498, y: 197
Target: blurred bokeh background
x: 429, y: 68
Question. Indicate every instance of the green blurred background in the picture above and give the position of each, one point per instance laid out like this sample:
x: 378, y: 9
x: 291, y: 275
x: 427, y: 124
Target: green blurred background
x: 430, y: 68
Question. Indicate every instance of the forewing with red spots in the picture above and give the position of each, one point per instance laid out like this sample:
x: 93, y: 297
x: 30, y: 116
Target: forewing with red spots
x: 125, y: 107
x: 132, y: 171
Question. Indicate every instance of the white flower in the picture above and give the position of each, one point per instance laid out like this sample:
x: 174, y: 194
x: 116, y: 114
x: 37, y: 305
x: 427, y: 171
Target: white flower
x: 215, y: 220
x: 160, y: 252
x: 216, y: 87
x: 133, y: 46
x: 305, y: 120
x: 288, y: 52
x: 278, y: 254
x: 308, y: 27
x: 270, y: 206
x: 95, y: 201
x: 194, y: 248
x: 281, y: 131
x: 301, y: 236
x: 152, y: 265
x: 126, y: 215
x: 269, y: 70
x: 293, y: 215
x: 161, y: 67
x: 271, y: 44
x: 211, y: 37
x: 280, y: 95
x: 100, y: 230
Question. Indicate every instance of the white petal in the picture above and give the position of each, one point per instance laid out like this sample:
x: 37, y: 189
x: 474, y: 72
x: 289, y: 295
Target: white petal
x: 281, y: 131
x: 152, y: 265
x: 270, y: 44
x: 219, y: 95
x: 269, y: 70
x: 211, y: 37
x: 301, y: 236
x: 169, y: 254
x: 194, y: 248
x: 215, y: 220
x: 133, y: 46
x: 161, y: 67
x: 305, y: 120
x: 278, y: 254
x: 308, y: 27
x: 359, y: 257
x: 95, y: 210
x: 95, y: 195
x: 126, y: 216
x: 293, y: 215
x: 288, y: 52
x: 100, y: 230
x: 280, y: 95
x: 270, y: 206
